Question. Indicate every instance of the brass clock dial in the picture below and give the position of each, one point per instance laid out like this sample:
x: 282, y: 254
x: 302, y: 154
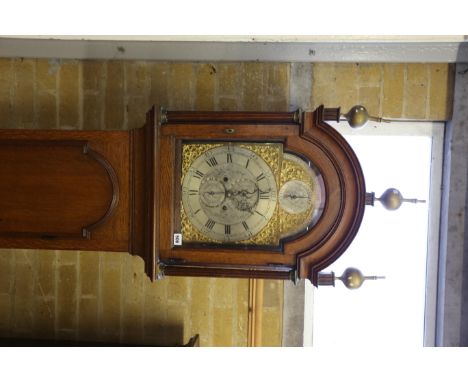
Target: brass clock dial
x: 229, y: 193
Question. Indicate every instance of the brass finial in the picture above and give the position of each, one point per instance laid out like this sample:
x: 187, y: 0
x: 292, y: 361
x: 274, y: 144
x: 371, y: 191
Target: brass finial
x: 391, y: 199
x: 358, y: 116
x: 352, y: 278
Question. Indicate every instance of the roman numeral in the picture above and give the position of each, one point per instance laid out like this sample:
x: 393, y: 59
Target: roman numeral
x: 198, y: 174
x: 227, y: 229
x: 260, y: 177
x: 247, y: 164
x: 264, y: 195
x: 210, y: 224
x: 193, y: 192
x: 197, y: 211
x: 229, y: 158
x: 246, y: 227
x: 263, y: 216
x: 212, y: 161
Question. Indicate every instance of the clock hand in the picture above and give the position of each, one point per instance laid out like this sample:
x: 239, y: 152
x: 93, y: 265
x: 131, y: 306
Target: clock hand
x: 244, y: 193
x: 213, y: 192
x: 292, y: 196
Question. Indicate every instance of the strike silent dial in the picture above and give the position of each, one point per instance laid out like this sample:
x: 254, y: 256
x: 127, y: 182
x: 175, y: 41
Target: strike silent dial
x: 295, y: 196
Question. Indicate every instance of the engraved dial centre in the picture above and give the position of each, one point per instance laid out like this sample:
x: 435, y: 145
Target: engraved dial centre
x: 212, y: 192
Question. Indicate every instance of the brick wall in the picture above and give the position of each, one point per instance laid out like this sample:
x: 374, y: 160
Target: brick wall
x: 407, y: 91
x: 106, y: 296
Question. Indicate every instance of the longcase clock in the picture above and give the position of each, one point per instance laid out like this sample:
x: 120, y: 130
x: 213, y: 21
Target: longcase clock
x: 230, y: 194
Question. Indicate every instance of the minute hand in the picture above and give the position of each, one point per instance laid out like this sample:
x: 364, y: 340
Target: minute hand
x: 213, y: 192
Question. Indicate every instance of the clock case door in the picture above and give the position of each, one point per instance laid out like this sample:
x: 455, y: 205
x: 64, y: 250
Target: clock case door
x: 305, y: 134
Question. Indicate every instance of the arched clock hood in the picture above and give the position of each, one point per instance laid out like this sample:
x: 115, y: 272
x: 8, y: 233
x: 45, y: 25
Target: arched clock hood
x: 302, y: 134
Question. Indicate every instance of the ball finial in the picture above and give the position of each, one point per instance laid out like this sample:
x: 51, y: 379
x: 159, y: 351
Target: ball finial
x: 353, y: 278
x: 357, y: 116
x: 392, y: 199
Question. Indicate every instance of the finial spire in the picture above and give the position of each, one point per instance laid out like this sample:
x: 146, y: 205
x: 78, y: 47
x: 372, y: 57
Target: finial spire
x: 352, y: 278
x: 391, y: 199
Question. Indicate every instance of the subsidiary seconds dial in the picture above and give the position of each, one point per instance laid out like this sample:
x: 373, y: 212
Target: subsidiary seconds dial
x: 295, y: 197
x: 229, y: 193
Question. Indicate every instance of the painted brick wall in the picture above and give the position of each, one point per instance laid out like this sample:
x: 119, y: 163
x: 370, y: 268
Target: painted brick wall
x: 106, y: 296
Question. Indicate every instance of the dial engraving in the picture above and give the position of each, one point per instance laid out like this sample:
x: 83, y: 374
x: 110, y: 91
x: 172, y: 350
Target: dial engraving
x: 229, y: 193
x: 212, y: 192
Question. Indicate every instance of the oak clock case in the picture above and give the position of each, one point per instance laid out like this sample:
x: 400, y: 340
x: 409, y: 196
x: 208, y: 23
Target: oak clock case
x: 231, y: 194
